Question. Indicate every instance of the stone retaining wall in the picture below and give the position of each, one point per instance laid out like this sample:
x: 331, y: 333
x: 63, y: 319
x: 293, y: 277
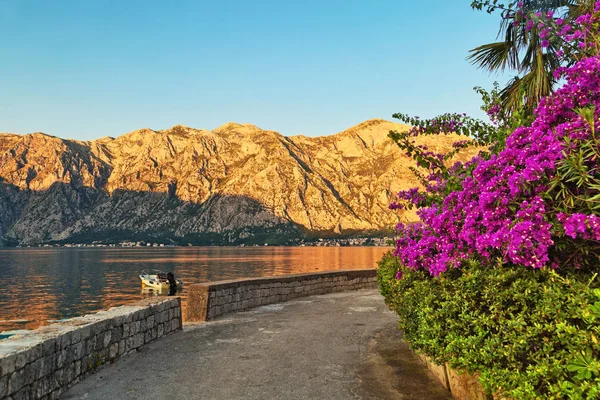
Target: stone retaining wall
x: 43, y: 363
x: 209, y: 300
x: 463, y: 386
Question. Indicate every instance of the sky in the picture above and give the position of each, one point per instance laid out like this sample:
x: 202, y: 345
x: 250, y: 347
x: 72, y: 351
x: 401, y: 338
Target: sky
x: 87, y: 69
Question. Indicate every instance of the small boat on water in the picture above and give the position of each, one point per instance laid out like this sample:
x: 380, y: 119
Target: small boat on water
x: 161, y: 281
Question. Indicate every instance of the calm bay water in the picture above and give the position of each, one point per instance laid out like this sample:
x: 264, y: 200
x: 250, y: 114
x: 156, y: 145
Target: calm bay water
x: 46, y: 284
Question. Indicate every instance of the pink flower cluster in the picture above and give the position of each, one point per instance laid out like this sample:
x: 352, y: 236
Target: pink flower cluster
x: 503, y: 210
x: 581, y: 225
x: 579, y: 37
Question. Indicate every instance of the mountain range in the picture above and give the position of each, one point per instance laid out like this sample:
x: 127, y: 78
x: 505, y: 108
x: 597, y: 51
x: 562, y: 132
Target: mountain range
x: 234, y: 184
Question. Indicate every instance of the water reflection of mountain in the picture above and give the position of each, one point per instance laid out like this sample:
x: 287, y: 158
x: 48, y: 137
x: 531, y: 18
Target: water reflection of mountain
x: 49, y: 284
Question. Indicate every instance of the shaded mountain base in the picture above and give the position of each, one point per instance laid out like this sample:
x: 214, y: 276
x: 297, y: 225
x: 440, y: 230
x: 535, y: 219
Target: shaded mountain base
x: 69, y: 214
x: 66, y: 213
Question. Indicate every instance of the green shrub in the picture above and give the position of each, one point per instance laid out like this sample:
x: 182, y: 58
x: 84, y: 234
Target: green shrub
x: 529, y: 333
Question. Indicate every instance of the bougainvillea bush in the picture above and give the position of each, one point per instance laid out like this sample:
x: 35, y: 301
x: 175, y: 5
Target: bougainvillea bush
x: 499, y: 277
x: 536, y: 203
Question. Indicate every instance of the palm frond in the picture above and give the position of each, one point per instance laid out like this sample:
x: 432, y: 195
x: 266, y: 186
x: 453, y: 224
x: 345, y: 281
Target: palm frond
x: 528, y: 90
x: 495, y: 56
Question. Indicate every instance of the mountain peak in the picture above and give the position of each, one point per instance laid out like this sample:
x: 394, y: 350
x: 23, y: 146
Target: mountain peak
x: 229, y: 126
x: 371, y: 122
x: 373, y: 131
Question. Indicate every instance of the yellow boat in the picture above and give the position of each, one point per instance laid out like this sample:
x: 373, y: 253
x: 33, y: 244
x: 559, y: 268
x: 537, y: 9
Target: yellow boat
x: 160, y: 281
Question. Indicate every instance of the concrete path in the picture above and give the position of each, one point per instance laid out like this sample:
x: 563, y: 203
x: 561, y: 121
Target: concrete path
x: 335, y: 346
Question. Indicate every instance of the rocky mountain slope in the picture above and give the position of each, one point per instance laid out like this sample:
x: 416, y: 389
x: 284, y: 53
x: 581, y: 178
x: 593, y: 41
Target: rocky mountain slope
x: 233, y: 184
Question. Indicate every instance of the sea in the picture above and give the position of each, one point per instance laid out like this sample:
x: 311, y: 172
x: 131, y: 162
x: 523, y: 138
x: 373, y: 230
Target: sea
x: 43, y: 285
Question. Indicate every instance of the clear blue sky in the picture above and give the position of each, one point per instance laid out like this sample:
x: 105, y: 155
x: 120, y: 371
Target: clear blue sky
x: 84, y: 69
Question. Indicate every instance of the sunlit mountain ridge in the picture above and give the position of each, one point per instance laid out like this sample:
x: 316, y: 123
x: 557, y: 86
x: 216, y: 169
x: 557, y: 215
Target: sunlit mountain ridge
x: 232, y: 184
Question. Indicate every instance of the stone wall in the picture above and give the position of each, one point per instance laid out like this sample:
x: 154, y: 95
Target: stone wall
x: 43, y: 363
x: 463, y: 386
x: 209, y: 300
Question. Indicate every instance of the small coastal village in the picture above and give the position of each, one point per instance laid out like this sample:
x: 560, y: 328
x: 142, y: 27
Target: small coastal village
x: 328, y: 242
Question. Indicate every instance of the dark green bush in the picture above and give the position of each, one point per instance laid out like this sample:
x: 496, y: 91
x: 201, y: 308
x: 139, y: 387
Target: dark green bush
x: 529, y: 333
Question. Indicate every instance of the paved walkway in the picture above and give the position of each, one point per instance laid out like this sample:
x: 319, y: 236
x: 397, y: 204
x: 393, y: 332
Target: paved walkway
x: 336, y: 346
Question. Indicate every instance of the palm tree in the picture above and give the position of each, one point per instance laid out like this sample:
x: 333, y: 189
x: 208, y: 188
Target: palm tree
x: 521, y: 50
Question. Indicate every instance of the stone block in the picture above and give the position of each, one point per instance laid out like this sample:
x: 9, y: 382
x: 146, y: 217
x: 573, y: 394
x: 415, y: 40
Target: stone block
x: 113, y: 351
x: 210, y: 314
x: 34, y: 353
x: 3, y: 386
x: 122, y: 346
x: 98, y: 327
x: 63, y: 341
x: 77, y: 368
x: 15, y: 381
x: 40, y: 388
x: 91, y: 344
x: 21, y: 359
x: 175, y: 324
x: 150, y: 322
x: 76, y: 336
x: 148, y: 336
x: 116, y: 334
x: 48, y: 346
x: 464, y: 386
x: 99, y: 342
x: 131, y: 330
x: 160, y: 330
x: 128, y: 318
x: 7, y: 364
x: 138, y: 340
x: 143, y: 314
x: 23, y: 394
x: 118, y: 320
x: 129, y: 344
x: 84, y: 366
x: 79, y: 350
x: 164, y: 316
x: 126, y: 328
x: 69, y: 373
x: 85, y: 332
x: 60, y: 359
x: 107, y: 338
x: 134, y: 316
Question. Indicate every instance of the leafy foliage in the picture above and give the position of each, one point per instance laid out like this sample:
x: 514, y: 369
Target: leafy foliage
x: 523, y: 47
x: 529, y: 333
